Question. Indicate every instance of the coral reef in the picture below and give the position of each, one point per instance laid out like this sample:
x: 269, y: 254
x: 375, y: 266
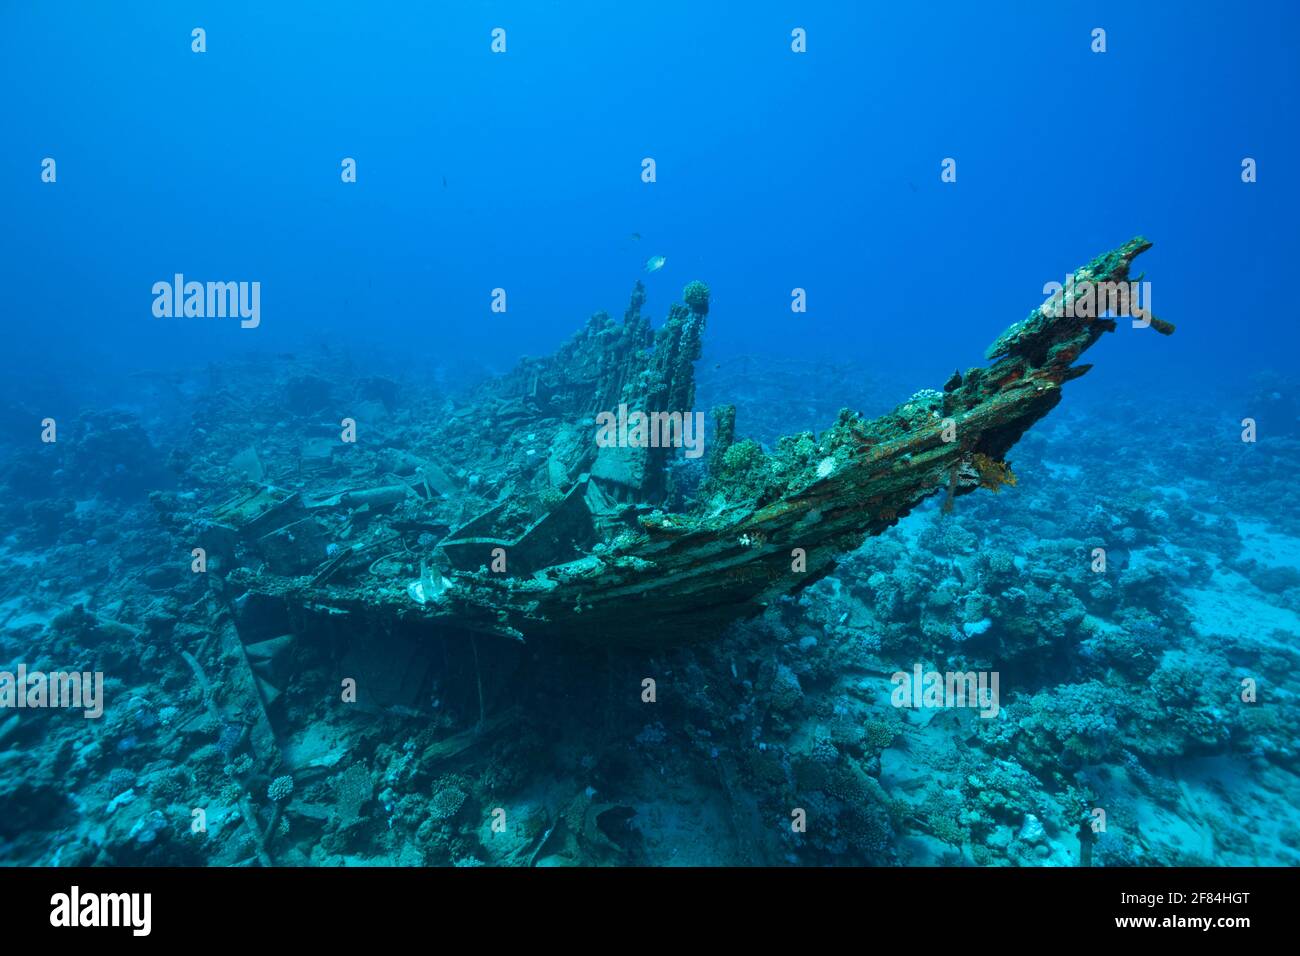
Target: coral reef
x: 292, y: 703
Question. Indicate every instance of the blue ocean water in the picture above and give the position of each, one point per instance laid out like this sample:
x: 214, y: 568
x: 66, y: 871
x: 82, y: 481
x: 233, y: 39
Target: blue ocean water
x: 517, y: 174
x: 775, y: 170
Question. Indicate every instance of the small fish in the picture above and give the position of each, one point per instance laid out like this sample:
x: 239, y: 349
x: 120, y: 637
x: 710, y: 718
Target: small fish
x: 636, y: 237
x: 655, y: 263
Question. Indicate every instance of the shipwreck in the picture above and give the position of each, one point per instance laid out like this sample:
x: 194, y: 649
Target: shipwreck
x: 557, y: 536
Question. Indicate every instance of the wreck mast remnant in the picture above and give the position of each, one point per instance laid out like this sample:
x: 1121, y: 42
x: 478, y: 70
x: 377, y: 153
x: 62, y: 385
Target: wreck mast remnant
x: 592, y: 553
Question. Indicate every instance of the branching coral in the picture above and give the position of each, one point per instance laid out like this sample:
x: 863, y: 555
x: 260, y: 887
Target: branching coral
x: 448, y: 797
x: 281, y: 788
x: 696, y: 295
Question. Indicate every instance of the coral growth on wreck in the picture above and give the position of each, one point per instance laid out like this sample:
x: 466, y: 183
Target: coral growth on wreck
x: 327, y: 691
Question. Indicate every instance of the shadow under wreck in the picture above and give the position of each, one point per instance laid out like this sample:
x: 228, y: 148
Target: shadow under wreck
x: 555, y: 535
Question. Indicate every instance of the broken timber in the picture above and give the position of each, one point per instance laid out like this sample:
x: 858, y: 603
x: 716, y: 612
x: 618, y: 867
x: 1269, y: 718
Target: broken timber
x: 602, y: 563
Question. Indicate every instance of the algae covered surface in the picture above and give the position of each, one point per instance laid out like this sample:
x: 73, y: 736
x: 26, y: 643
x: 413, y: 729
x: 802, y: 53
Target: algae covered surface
x: 655, y: 438
x: 875, y: 643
